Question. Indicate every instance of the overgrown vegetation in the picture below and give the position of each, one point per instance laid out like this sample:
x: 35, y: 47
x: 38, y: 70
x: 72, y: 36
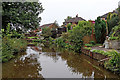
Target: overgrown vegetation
x: 72, y: 40
x: 112, y: 21
x: 46, y: 32
x: 11, y: 45
x: 115, y: 33
x: 114, y: 63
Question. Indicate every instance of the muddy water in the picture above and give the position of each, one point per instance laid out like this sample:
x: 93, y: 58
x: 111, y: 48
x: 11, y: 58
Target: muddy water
x: 38, y: 62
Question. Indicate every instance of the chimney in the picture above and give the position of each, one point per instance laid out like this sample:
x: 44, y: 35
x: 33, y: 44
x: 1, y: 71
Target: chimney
x: 77, y: 15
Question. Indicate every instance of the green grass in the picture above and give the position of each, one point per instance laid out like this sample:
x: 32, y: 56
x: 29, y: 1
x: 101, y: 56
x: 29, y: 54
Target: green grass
x: 98, y: 44
x: 89, y: 45
x: 88, y: 48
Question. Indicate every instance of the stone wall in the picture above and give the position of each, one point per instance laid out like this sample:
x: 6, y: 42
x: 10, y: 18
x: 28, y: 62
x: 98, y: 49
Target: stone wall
x: 114, y: 44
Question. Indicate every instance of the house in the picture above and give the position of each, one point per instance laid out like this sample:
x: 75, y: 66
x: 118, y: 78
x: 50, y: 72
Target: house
x: 92, y: 21
x: 50, y: 25
x: 104, y: 17
x: 73, y: 20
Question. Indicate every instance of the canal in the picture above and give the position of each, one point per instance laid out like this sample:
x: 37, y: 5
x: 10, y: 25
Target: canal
x: 42, y: 62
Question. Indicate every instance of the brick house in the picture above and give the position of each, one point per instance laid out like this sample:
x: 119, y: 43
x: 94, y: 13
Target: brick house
x: 50, y: 25
x: 73, y: 20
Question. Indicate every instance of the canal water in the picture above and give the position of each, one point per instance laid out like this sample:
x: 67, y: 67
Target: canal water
x: 41, y: 62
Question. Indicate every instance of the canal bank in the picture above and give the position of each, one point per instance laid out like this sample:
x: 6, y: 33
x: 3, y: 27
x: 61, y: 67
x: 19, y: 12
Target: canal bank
x: 104, y: 56
x: 46, y: 62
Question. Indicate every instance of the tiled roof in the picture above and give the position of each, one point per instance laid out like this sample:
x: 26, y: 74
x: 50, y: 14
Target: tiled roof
x: 75, y: 19
x: 105, y: 15
x: 46, y: 25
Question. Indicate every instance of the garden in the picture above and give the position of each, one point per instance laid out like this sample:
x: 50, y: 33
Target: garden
x: 18, y: 33
x: 73, y: 39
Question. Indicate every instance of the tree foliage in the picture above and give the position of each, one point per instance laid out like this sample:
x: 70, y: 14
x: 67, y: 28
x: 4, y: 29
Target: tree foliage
x: 22, y: 16
x: 75, y: 36
x: 68, y: 17
x: 116, y: 31
x: 112, y: 20
x: 100, y: 30
x: 46, y: 32
x: 69, y: 26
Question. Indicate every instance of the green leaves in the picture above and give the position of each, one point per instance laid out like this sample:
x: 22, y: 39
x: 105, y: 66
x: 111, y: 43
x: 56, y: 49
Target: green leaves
x: 12, y: 46
x: 21, y: 14
x: 114, y: 63
x: 46, y: 32
x: 100, y: 30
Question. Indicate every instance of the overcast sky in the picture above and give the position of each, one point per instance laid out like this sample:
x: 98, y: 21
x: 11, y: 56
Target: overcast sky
x: 87, y: 9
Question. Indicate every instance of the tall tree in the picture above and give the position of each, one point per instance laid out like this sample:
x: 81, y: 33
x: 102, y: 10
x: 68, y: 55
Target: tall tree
x: 22, y: 16
x: 100, y: 30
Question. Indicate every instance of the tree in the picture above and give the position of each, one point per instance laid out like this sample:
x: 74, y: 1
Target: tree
x: 68, y: 17
x: 76, y: 35
x: 69, y: 26
x: 100, y: 30
x: 46, y: 32
x: 22, y: 16
x: 113, y: 21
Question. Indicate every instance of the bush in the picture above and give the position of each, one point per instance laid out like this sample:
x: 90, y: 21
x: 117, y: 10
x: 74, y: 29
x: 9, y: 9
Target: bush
x: 115, y: 33
x: 98, y: 51
x: 92, y: 42
x: 12, y: 46
x: 114, y: 38
x: 69, y: 26
x: 108, y: 53
x: 46, y: 32
x: 73, y: 38
x: 112, y: 23
x: 114, y: 63
x: 60, y: 42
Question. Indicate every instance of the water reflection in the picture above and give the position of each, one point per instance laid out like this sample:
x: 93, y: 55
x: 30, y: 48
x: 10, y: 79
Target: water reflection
x: 40, y: 62
x: 27, y: 66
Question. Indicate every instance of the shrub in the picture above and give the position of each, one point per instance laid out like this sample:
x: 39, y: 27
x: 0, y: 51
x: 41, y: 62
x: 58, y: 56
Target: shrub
x: 46, y: 32
x: 69, y: 26
x: 12, y: 46
x: 60, y: 42
x: 98, y: 51
x: 107, y: 53
x: 114, y: 63
x: 114, y: 38
x: 92, y: 42
x: 112, y: 23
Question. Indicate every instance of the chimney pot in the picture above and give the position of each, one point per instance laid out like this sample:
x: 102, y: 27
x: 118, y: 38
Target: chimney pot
x: 77, y: 15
